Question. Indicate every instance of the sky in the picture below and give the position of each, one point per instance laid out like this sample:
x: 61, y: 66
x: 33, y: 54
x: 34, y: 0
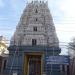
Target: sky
x: 63, y: 13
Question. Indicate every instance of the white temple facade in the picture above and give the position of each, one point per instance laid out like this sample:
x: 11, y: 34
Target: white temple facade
x: 36, y: 26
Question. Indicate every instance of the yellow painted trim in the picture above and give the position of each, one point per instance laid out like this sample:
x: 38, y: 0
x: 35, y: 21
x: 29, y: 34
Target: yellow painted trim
x: 42, y: 63
x: 4, y: 45
x: 26, y: 63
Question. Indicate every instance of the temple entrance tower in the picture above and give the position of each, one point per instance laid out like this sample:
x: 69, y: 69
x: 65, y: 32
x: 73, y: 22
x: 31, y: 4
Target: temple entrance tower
x: 35, y: 27
x: 35, y: 38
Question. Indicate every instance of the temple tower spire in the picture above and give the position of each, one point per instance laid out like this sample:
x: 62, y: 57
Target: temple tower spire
x: 36, y: 26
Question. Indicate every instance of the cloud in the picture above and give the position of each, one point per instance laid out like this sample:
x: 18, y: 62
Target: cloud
x: 66, y: 27
x: 68, y: 7
x: 1, y: 3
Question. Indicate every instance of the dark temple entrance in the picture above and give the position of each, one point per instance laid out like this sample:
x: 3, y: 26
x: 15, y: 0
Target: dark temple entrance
x: 33, y: 65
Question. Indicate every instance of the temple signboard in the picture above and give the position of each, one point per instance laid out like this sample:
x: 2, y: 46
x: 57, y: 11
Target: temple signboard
x: 57, y: 60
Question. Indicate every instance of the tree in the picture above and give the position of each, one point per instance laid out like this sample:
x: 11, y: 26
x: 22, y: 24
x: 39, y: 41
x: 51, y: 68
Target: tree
x: 71, y: 48
x: 71, y: 44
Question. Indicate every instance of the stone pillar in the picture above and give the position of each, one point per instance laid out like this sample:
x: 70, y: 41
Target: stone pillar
x: 61, y: 70
x: 65, y: 69
x: 2, y: 66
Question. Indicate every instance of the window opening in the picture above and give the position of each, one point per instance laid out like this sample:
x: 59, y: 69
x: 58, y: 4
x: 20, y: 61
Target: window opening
x: 36, y: 11
x: 34, y: 42
x: 34, y: 28
x: 36, y: 19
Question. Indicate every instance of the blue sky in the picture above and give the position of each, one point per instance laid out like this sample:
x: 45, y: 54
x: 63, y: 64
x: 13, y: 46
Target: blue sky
x: 63, y: 12
x: 10, y: 12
